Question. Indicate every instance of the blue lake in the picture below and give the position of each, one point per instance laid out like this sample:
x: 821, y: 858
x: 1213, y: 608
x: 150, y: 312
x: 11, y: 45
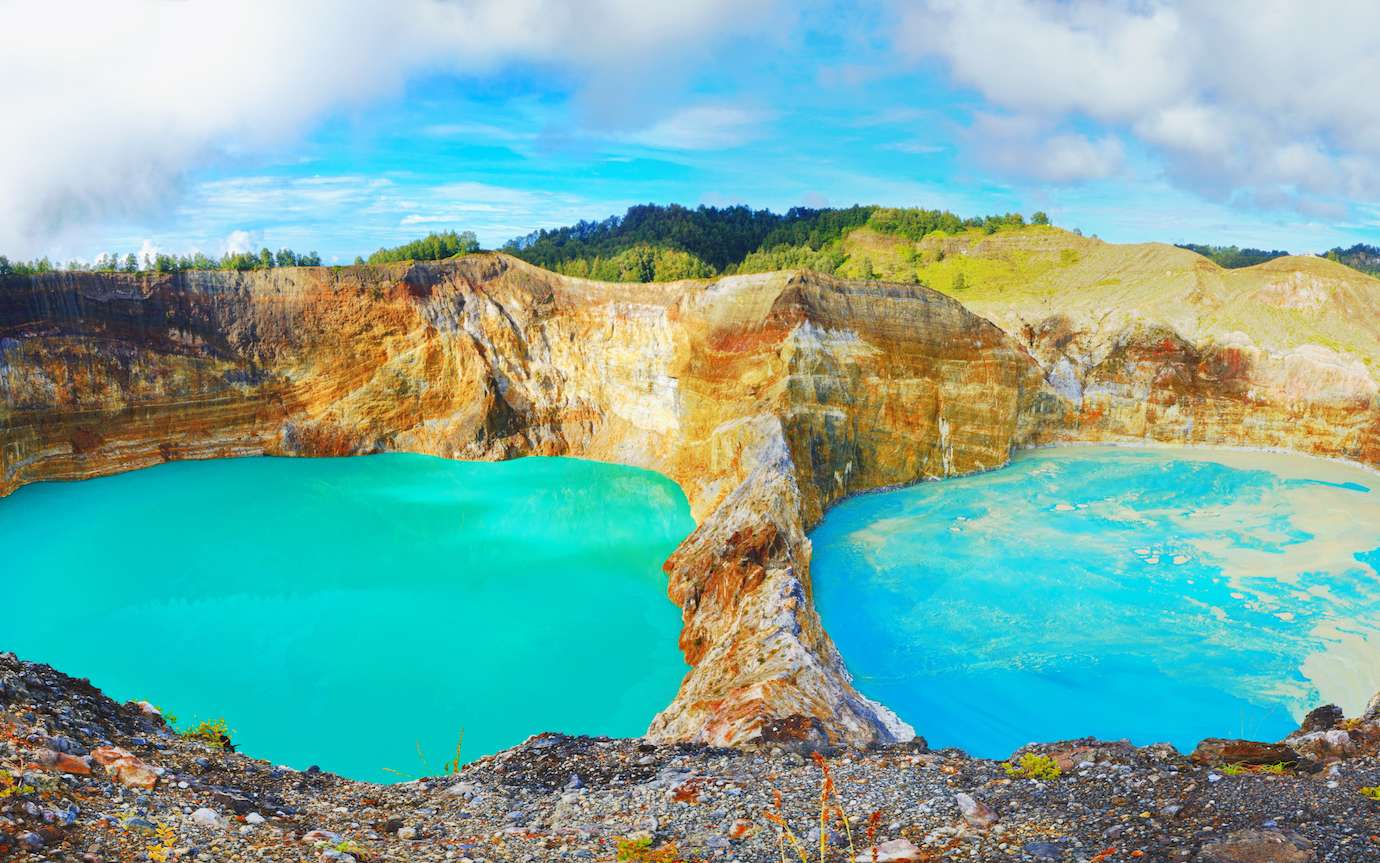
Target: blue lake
x: 1155, y: 594
x: 359, y: 613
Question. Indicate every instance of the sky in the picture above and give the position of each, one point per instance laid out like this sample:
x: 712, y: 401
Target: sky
x: 348, y: 125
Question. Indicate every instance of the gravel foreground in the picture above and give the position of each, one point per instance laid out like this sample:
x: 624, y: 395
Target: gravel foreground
x: 85, y: 779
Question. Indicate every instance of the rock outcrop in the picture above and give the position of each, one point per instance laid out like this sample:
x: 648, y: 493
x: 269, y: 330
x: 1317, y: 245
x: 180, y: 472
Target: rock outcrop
x: 766, y: 398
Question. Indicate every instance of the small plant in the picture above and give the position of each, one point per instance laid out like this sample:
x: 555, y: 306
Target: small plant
x: 12, y: 787
x: 830, y: 808
x: 1032, y: 766
x: 1371, y: 792
x: 160, y: 850
x: 214, y: 733
x: 348, y: 846
x: 1276, y: 769
x: 641, y: 851
x: 452, y: 767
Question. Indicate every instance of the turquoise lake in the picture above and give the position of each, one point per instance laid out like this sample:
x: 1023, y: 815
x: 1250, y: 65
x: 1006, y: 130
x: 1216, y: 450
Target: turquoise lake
x: 1155, y: 594
x: 358, y: 613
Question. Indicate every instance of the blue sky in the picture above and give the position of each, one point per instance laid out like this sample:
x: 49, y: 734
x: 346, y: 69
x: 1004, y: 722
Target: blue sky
x: 499, y: 121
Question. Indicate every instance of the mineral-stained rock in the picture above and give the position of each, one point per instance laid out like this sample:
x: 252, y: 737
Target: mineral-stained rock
x: 766, y: 397
x: 1258, y: 846
x: 127, y: 768
x: 1216, y: 751
x: 62, y: 762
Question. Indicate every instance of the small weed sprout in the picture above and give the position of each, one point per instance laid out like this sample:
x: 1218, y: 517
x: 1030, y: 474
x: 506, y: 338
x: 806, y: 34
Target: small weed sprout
x: 1032, y: 766
x: 1371, y: 792
x: 1276, y: 769
x: 452, y: 767
x: 214, y: 733
x: 641, y: 851
x: 830, y: 808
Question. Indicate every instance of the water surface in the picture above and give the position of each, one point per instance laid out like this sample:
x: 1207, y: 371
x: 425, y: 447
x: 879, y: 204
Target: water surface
x: 358, y: 613
x: 1159, y: 594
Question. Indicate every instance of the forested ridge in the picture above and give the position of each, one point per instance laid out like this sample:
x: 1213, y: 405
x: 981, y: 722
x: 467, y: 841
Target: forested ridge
x: 651, y: 242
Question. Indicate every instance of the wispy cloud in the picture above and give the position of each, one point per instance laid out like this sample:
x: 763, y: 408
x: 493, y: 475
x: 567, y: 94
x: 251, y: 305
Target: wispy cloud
x: 705, y: 127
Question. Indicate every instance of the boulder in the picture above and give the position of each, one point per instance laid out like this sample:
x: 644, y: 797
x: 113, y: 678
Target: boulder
x: 1323, y: 718
x: 1324, y: 745
x: 1258, y: 846
x: 1216, y: 751
x: 208, y: 818
x: 125, y: 767
x: 51, y: 759
x: 975, y: 812
x: 895, y: 851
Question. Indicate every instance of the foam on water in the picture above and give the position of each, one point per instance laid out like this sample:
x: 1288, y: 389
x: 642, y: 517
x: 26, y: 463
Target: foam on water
x: 1156, y: 594
x: 349, y: 612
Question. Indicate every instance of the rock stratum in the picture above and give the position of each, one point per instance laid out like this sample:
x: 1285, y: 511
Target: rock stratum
x: 766, y: 397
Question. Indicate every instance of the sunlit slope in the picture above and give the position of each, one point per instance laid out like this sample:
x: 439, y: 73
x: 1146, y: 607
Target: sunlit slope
x: 1025, y: 276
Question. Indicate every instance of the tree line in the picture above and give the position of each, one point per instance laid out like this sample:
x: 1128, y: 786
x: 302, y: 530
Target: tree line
x: 1232, y: 257
x: 264, y: 259
x: 651, y: 242
x: 1361, y: 256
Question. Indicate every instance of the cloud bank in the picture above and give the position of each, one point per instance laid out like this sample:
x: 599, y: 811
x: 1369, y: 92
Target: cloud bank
x: 1268, y: 104
x: 111, y: 105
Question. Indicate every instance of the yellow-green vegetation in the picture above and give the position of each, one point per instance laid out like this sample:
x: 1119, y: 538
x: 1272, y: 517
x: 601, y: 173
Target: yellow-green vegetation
x: 214, y: 733
x: 641, y: 851
x: 349, y: 846
x: 1032, y: 766
x: 9, y: 786
x: 1019, y: 275
x: 1371, y: 792
x: 1276, y: 769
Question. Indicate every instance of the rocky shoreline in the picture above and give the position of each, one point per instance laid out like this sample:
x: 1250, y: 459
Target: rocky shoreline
x: 85, y: 779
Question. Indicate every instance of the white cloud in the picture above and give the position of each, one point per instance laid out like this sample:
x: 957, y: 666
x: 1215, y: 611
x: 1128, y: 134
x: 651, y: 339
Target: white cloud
x: 704, y: 127
x: 120, y: 101
x: 148, y: 251
x: 1267, y: 104
x: 1025, y: 146
x: 241, y: 241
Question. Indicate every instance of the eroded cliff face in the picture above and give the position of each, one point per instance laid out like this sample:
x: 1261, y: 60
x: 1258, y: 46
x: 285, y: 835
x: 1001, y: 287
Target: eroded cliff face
x: 766, y: 397
x: 1158, y: 344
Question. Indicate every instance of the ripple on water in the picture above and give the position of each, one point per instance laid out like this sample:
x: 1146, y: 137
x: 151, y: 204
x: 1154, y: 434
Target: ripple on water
x: 1154, y: 594
x: 358, y: 613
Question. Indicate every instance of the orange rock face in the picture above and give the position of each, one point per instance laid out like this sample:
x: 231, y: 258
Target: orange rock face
x: 766, y: 397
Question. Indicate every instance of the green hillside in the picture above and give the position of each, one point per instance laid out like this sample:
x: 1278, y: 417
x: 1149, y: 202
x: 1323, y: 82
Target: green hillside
x: 656, y: 243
